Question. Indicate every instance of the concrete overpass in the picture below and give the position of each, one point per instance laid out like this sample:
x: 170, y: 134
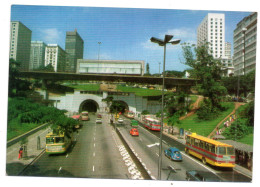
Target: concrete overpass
x: 56, y: 76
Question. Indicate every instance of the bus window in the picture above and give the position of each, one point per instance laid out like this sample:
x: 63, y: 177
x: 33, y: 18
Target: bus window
x: 221, y: 150
x: 207, y: 146
x: 230, y: 151
x: 197, y: 142
x: 59, y: 140
x: 213, y: 150
x: 49, y: 140
x: 188, y: 139
x: 192, y: 141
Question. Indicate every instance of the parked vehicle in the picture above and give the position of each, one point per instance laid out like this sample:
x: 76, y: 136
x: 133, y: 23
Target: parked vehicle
x: 134, y: 132
x: 173, y: 153
x: 195, y: 175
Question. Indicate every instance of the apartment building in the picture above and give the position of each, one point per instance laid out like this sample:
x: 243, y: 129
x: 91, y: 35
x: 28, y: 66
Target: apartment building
x: 55, y: 56
x: 244, y: 58
x: 37, y: 55
x: 20, y: 44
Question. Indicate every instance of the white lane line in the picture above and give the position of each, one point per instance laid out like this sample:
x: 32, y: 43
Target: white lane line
x: 94, y: 144
x: 157, y: 154
x: 198, y: 163
x: 94, y: 154
x: 60, y: 169
x: 93, y: 169
x: 67, y: 155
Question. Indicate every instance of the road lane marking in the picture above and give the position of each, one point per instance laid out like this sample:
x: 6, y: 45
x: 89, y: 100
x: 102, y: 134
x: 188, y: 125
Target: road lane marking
x: 94, y: 154
x: 93, y: 169
x: 157, y: 154
x: 151, y: 145
x: 201, y: 164
x: 94, y: 144
x: 67, y: 155
x: 60, y: 169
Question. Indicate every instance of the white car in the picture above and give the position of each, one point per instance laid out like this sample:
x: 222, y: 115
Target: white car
x: 120, y: 120
x: 98, y: 120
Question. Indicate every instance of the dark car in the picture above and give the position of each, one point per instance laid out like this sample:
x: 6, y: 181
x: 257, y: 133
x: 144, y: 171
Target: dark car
x: 173, y: 153
x: 195, y: 175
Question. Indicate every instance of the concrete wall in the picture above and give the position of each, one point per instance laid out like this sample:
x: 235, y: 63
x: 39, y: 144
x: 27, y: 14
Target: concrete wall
x: 72, y: 102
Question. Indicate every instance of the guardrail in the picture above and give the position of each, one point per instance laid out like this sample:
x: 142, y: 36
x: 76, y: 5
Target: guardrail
x: 19, y: 138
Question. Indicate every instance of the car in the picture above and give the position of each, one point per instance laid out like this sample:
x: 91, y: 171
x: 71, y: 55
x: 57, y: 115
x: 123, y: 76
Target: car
x: 99, y: 120
x: 173, y: 153
x: 134, y: 132
x: 99, y: 116
x: 120, y: 120
x: 196, y: 175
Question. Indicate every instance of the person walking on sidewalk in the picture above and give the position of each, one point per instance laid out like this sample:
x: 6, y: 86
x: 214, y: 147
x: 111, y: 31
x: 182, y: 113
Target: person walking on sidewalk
x: 20, y: 155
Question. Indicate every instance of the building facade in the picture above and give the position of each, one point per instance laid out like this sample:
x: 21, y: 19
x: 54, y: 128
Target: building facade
x: 212, y: 30
x: 37, y: 55
x: 244, y: 58
x: 20, y: 44
x: 110, y: 67
x: 228, y: 50
x: 55, y: 56
x: 74, y: 47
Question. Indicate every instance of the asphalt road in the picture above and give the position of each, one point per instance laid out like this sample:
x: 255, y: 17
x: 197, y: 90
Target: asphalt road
x: 94, y: 154
x: 147, y: 147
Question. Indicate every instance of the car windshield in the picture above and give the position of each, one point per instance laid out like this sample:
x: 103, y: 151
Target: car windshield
x: 176, y: 152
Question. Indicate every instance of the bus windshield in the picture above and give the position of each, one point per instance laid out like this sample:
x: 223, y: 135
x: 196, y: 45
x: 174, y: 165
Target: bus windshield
x: 226, y: 151
x: 49, y: 140
x: 59, y: 140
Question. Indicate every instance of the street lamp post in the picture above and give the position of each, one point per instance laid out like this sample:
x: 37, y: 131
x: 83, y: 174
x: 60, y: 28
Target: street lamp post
x: 98, y: 49
x: 159, y: 68
x: 167, y: 39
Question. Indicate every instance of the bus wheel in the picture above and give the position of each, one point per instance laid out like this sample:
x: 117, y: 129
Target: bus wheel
x: 204, y: 161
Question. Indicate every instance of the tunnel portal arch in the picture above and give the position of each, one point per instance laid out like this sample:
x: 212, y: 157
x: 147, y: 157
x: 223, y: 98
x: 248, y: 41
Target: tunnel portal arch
x: 125, y: 108
x: 89, y: 105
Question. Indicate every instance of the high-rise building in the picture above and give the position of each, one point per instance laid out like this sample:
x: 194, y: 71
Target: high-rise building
x: 212, y: 30
x: 74, y: 48
x: 228, y: 50
x: 244, y: 58
x: 20, y: 44
x: 37, y: 55
x: 55, y: 56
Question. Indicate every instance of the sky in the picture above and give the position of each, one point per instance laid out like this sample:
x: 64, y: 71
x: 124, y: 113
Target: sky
x: 124, y: 33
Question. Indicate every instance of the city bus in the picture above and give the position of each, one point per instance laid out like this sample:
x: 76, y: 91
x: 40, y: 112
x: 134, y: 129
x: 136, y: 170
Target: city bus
x: 57, y: 143
x: 152, y: 124
x: 84, y: 116
x: 210, y: 151
x: 130, y: 114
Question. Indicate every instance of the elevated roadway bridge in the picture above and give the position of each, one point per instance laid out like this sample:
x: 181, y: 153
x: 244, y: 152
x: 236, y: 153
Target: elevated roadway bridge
x: 170, y: 82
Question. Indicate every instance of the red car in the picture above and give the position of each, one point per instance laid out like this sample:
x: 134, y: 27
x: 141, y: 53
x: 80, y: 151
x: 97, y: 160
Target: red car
x: 134, y: 132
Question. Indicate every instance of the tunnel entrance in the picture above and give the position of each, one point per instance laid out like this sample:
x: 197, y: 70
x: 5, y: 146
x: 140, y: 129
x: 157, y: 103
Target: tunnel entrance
x: 89, y: 105
x: 123, y: 106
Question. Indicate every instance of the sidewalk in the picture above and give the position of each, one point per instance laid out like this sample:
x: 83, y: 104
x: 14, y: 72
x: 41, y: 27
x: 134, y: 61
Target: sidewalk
x: 14, y: 166
x: 237, y: 168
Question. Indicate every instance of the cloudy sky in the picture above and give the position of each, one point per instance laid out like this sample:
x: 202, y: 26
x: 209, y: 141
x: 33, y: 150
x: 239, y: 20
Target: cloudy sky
x: 124, y: 33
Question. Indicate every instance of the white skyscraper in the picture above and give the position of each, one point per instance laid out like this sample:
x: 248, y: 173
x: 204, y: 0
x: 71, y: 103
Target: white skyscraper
x: 212, y: 30
x: 55, y: 56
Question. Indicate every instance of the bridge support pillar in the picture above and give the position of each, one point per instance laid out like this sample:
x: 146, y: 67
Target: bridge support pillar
x: 45, y: 89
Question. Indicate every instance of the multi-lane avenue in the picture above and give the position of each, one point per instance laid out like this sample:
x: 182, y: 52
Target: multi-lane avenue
x: 97, y: 152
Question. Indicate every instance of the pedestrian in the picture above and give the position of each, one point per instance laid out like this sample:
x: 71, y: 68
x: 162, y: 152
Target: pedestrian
x: 20, y: 155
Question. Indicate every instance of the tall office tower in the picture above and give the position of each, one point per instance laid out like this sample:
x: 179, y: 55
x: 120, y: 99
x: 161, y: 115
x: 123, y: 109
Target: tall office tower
x: 212, y: 30
x: 20, y: 44
x: 74, y: 48
x: 244, y: 58
x: 228, y: 50
x: 37, y: 55
x: 55, y: 56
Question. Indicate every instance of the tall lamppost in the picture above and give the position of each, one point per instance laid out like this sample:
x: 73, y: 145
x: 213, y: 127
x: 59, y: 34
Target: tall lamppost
x: 167, y: 39
x: 98, y: 49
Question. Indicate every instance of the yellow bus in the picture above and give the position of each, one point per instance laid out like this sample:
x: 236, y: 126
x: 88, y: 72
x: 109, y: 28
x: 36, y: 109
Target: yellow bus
x: 210, y: 151
x: 57, y: 143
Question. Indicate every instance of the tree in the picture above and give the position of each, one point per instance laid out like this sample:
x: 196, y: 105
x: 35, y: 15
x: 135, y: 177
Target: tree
x: 208, y: 71
x: 147, y: 69
x: 48, y: 68
x: 117, y: 107
x: 237, y: 130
